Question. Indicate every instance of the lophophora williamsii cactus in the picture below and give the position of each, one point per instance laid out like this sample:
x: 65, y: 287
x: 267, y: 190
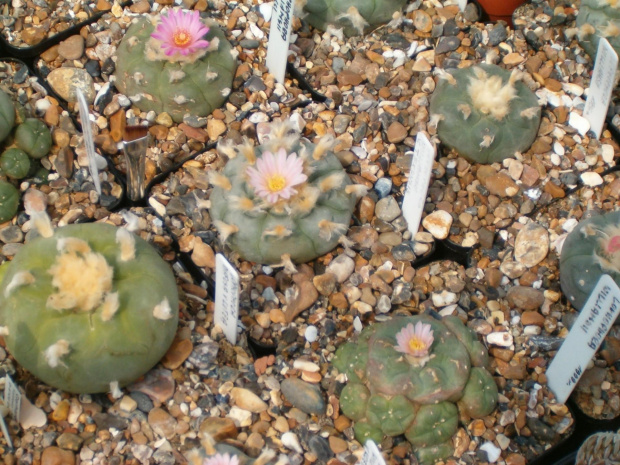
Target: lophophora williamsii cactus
x: 285, y: 200
x: 590, y: 250
x: 7, y: 115
x: 596, y: 19
x: 354, y: 17
x: 485, y: 113
x: 412, y: 376
x: 87, y: 307
x: 174, y: 63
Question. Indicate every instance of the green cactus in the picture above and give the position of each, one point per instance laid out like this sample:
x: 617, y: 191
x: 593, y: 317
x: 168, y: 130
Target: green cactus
x: 88, y: 307
x: 301, y: 227
x: 9, y: 201
x: 596, y: 19
x: 390, y: 393
x: 590, y: 250
x: 15, y: 163
x: 34, y: 137
x: 485, y: 113
x: 194, y: 85
x: 355, y: 17
x: 7, y: 115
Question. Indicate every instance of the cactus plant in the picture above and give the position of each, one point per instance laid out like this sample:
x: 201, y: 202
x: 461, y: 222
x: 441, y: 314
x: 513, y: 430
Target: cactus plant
x: 175, y: 71
x: 7, y: 115
x: 284, y: 199
x: 485, y: 113
x: 412, y: 376
x: 354, y: 17
x: 9, y: 201
x: 15, y: 163
x: 596, y: 19
x: 591, y: 249
x: 87, y: 307
x: 34, y: 137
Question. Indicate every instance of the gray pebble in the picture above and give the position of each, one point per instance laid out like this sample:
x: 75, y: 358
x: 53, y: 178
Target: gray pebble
x: 305, y: 396
x: 383, y: 186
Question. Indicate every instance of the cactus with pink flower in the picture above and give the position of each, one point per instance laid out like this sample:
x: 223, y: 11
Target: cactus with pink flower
x: 177, y: 63
x: 413, y: 376
x: 285, y: 200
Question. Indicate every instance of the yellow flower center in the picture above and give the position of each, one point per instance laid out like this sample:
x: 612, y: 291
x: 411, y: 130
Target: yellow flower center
x: 276, y: 183
x: 416, y: 344
x: 181, y: 38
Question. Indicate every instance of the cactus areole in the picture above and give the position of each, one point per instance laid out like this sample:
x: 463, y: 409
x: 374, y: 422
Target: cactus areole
x: 485, y: 113
x: 412, y: 376
x: 285, y: 200
x: 589, y: 251
x: 170, y: 64
x: 88, y: 309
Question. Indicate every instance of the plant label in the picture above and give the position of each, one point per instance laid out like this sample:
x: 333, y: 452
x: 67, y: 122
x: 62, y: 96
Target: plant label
x: 601, y: 86
x: 89, y: 142
x: 585, y: 337
x: 417, y: 185
x: 5, y: 433
x: 226, y: 297
x: 12, y: 397
x: 462, y: 4
x: 279, y: 36
x: 372, y: 454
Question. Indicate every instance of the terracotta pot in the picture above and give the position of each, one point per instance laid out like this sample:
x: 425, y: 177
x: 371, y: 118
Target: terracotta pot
x: 500, y: 9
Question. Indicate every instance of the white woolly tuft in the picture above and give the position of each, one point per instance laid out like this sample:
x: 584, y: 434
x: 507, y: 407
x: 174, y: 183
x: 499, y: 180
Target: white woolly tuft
x: 219, y: 180
x: 127, y: 241
x: 329, y: 228
x: 115, y: 390
x: 162, y: 311
x: 110, y: 306
x: 530, y: 113
x: 358, y: 190
x: 4, y: 330
x: 21, y: 278
x: 464, y: 109
x: 71, y: 245
x: 333, y: 181
x: 355, y: 18
x: 225, y: 229
x: 176, y: 75
x: 323, y: 146
x: 487, y: 140
x: 227, y: 149
x: 278, y: 231
x: 55, y: 352
x: 42, y: 224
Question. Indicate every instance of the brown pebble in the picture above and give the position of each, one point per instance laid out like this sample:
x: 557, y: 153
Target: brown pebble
x: 532, y: 318
x: 349, y: 78
x: 219, y: 428
x: 525, y: 298
x: 56, y: 456
x: 177, y: 353
x: 337, y: 444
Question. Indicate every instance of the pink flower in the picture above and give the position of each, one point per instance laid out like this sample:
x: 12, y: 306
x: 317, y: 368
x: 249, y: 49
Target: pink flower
x: 219, y: 459
x: 275, y: 175
x: 181, y: 32
x: 415, y: 342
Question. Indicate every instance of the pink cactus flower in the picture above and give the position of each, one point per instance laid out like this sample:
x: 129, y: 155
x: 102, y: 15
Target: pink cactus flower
x: 219, y: 459
x: 415, y: 341
x: 181, y: 32
x: 275, y: 176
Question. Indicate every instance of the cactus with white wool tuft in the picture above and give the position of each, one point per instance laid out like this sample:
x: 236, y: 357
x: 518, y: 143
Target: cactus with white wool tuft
x: 284, y: 200
x: 87, y: 307
x: 598, y: 19
x: 174, y: 63
x: 485, y: 113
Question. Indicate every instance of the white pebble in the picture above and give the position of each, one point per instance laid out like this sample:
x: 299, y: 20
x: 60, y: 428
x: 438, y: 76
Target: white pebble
x: 266, y: 9
x: 493, y: 452
x: 311, y: 334
x: 502, y: 339
x: 569, y: 224
x: 357, y: 324
x: 591, y: 179
x: 558, y: 148
x: 607, y: 152
x: 579, y: 122
x: 290, y: 441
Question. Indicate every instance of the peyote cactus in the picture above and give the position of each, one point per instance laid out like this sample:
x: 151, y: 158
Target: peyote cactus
x: 15, y: 163
x: 589, y: 251
x: 7, y: 115
x: 412, y: 376
x: 287, y: 199
x: 355, y: 17
x: 34, y: 137
x: 485, y: 113
x: 596, y: 19
x: 9, y: 201
x: 88, y: 307
x: 172, y: 69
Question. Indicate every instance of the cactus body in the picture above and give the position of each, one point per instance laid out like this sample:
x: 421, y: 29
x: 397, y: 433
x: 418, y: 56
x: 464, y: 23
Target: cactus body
x: 152, y: 82
x: 9, y: 201
x: 303, y: 227
x: 387, y: 395
x: 88, y: 309
x: 589, y: 251
x: 355, y: 17
x: 15, y: 163
x: 7, y: 115
x: 34, y: 137
x: 485, y: 113
x: 596, y: 19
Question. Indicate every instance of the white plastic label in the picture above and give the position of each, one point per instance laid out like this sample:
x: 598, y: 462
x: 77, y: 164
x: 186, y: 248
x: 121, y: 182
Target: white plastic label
x: 585, y: 337
x: 12, y: 397
x: 89, y: 142
x: 279, y: 36
x: 372, y: 454
x: 601, y: 86
x: 417, y: 185
x: 226, y: 297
